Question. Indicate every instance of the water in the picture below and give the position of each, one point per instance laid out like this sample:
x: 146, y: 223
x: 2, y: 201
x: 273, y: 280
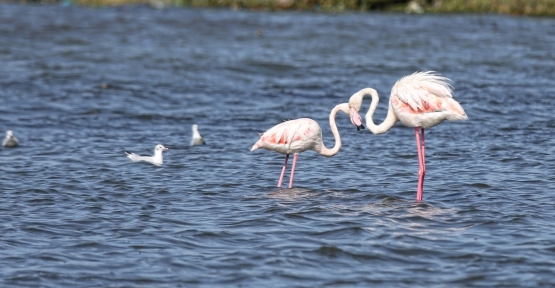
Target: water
x: 80, y: 85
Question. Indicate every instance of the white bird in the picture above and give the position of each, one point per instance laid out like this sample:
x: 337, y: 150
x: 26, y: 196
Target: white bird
x: 157, y: 159
x: 10, y: 140
x: 197, y: 138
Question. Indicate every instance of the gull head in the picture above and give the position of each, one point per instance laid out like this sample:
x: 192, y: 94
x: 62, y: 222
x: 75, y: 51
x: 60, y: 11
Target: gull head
x: 160, y: 148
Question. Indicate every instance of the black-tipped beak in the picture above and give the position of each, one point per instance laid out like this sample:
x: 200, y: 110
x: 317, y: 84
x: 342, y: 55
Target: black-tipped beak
x: 360, y: 127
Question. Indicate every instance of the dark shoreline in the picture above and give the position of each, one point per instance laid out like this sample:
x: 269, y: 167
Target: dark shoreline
x: 511, y: 7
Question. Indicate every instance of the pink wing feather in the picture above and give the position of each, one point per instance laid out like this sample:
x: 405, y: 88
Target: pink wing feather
x: 424, y: 92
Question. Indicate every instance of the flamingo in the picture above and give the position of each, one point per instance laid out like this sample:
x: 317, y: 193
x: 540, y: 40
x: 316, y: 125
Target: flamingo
x: 421, y: 100
x: 299, y: 135
x: 157, y: 159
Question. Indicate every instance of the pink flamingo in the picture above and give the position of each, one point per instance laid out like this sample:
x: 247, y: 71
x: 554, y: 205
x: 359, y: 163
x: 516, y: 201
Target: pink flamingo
x: 299, y: 135
x: 421, y: 100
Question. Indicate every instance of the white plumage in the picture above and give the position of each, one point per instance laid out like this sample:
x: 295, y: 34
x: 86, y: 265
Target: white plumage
x: 157, y: 159
x: 290, y: 137
x: 10, y: 140
x: 421, y: 87
x: 196, y: 139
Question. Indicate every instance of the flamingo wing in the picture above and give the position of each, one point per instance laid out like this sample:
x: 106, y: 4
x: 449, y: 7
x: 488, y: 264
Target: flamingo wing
x: 425, y: 99
x: 423, y: 91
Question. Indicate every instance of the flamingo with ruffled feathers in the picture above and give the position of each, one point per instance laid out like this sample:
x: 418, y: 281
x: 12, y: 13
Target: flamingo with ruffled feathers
x: 299, y: 135
x: 421, y: 100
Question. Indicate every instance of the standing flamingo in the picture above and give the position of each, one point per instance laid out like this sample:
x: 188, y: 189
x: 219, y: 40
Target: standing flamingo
x: 299, y: 135
x: 421, y: 100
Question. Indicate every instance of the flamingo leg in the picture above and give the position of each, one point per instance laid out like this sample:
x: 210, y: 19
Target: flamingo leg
x: 283, y: 171
x: 423, y: 159
x: 295, y: 156
x: 422, y: 173
x: 421, y: 169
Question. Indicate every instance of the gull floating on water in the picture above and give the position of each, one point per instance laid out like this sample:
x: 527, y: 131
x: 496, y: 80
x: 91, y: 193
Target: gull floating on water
x: 197, y: 138
x: 10, y: 140
x: 157, y: 159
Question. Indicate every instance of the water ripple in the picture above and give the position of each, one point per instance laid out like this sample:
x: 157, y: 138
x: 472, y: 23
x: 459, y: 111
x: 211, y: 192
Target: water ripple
x: 80, y: 85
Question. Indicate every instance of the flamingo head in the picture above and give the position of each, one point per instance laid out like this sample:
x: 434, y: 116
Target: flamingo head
x: 356, y: 119
x: 355, y: 103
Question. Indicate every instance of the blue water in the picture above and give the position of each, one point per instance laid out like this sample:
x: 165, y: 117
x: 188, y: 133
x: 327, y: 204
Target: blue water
x: 80, y: 85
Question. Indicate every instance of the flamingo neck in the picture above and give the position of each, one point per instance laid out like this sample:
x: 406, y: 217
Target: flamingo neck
x: 331, y: 152
x: 390, y: 119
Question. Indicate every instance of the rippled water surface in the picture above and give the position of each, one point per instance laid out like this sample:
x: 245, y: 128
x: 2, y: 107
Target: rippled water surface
x: 80, y: 85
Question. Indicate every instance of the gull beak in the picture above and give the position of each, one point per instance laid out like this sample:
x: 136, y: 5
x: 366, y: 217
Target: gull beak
x: 165, y: 149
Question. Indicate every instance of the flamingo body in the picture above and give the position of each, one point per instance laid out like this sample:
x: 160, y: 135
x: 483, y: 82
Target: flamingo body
x: 424, y: 100
x: 291, y: 137
x: 299, y: 135
x: 421, y: 100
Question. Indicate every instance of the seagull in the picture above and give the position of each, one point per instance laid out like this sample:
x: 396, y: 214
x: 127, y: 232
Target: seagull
x: 156, y: 159
x: 10, y: 140
x: 197, y: 138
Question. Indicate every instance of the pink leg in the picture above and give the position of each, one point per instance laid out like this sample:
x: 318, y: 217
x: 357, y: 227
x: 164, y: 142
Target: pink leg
x: 283, y: 171
x: 419, y: 147
x: 423, y: 160
x: 295, y: 156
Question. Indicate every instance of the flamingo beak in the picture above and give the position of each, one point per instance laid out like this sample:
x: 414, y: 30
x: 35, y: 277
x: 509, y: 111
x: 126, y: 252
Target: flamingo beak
x: 356, y: 119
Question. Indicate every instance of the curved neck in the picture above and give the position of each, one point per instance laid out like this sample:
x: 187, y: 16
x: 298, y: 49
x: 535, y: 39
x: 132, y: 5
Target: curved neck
x: 331, y: 152
x: 390, y: 119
